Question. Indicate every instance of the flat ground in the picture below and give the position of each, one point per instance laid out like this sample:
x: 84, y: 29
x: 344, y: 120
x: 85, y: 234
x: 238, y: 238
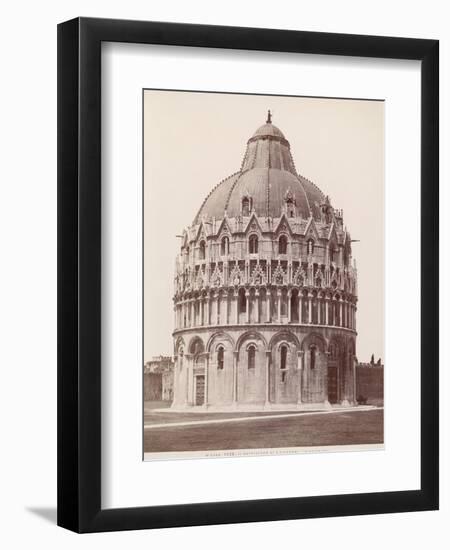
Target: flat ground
x: 277, y: 430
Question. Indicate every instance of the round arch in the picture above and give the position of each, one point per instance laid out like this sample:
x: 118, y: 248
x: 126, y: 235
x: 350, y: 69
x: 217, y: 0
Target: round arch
x: 336, y: 346
x: 219, y: 337
x: 250, y: 335
x: 283, y: 336
x: 196, y: 346
x: 179, y: 343
x: 314, y: 339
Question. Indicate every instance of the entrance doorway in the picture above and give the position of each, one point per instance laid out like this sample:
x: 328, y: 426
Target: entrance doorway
x: 332, y: 384
x: 200, y: 389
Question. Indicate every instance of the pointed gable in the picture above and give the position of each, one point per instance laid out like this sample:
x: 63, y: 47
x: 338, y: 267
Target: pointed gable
x: 253, y: 225
x: 283, y: 226
x: 332, y: 235
x: 311, y: 230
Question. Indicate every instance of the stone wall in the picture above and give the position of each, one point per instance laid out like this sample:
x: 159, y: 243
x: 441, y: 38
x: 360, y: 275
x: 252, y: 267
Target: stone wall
x: 158, y: 386
x: 370, y: 383
x: 282, y: 361
x: 153, y: 386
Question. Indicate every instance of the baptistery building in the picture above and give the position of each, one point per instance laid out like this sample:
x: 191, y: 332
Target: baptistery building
x: 265, y: 291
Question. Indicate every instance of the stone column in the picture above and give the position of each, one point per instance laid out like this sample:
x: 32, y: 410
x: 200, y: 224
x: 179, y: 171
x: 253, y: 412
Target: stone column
x: 235, y: 376
x: 218, y: 308
x: 208, y: 299
x: 309, y: 308
x: 327, y: 308
x: 279, y: 305
x: 257, y: 305
x: 341, y: 323
x: 289, y: 296
x: 247, y: 305
x: 326, y: 401
x: 299, y: 374
x: 267, y: 376
x: 300, y: 308
x: 205, y: 404
x: 187, y: 360
x: 319, y: 311
x: 236, y: 306
x: 305, y: 377
x: 267, y: 305
x: 346, y: 374
x: 226, y: 308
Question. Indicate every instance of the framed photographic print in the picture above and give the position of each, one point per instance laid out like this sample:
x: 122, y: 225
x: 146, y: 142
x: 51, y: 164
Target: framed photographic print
x: 248, y: 275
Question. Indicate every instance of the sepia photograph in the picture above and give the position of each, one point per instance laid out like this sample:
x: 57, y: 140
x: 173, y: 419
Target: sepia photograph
x: 263, y: 274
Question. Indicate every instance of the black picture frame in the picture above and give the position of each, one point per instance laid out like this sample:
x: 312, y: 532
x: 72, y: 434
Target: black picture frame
x: 79, y: 274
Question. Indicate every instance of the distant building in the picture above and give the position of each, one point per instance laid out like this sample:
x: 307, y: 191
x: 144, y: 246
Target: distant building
x: 159, y: 363
x: 265, y: 290
x: 158, y: 379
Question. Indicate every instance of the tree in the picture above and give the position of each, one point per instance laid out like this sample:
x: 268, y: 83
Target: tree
x: 379, y: 361
x: 372, y: 360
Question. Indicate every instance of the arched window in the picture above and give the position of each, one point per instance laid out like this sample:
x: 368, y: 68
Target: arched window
x: 282, y: 244
x: 251, y: 357
x: 202, y: 250
x: 332, y: 253
x: 242, y: 301
x: 246, y: 206
x: 225, y: 246
x: 310, y: 246
x: 220, y: 354
x: 283, y: 358
x: 333, y: 350
x: 312, y: 352
x: 253, y: 244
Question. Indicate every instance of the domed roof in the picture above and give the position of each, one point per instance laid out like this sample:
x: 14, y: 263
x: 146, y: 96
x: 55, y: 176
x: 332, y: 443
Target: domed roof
x: 268, y: 129
x: 268, y: 176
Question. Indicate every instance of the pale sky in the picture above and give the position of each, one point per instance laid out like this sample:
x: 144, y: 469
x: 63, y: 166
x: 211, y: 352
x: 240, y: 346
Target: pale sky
x: 194, y: 140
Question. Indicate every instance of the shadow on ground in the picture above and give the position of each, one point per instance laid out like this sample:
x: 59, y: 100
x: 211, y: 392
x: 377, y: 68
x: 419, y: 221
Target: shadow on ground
x: 45, y: 513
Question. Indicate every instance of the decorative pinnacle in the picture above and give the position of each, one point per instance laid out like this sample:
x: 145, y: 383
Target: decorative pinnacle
x: 269, y: 117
